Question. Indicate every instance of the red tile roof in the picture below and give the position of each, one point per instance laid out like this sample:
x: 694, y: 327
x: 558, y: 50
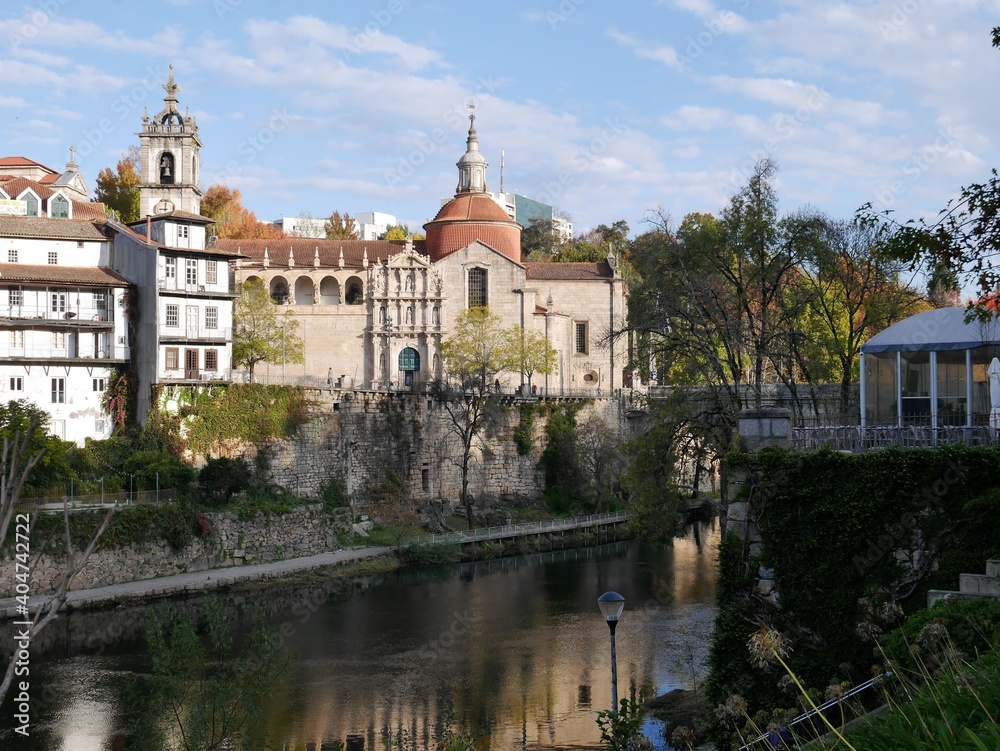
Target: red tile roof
x: 51, y: 229
x: 22, y: 161
x: 304, y: 250
x: 568, y: 271
x: 178, y: 214
x: 15, y: 186
x: 472, y: 207
x: 83, y: 275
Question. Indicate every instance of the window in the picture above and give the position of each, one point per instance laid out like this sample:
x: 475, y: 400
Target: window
x: 59, y: 207
x: 58, y: 302
x: 582, y: 338
x: 58, y: 390
x: 477, y: 288
x: 59, y: 340
x: 211, y: 318
x: 16, y: 383
x: 17, y: 340
x: 191, y: 271
x: 99, y: 427
x: 171, y: 268
x: 15, y: 297
x: 173, y: 316
x: 211, y: 359
x: 211, y: 272
x: 100, y: 384
x: 32, y: 204
x: 171, y: 358
x: 53, y: 258
x: 182, y: 232
x: 101, y: 300
x: 11, y: 256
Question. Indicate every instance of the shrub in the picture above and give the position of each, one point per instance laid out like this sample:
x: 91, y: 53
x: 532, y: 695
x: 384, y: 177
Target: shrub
x: 221, y: 479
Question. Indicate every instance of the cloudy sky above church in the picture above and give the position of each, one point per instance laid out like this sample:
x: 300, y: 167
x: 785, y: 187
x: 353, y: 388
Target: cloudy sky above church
x: 606, y: 110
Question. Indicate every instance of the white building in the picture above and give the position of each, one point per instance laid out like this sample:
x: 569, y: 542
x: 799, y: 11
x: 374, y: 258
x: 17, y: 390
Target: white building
x: 184, y: 328
x: 302, y: 226
x: 373, y: 224
x: 63, y: 320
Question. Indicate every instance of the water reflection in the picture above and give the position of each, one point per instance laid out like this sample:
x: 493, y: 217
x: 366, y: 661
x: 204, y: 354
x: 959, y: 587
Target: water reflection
x: 516, y: 648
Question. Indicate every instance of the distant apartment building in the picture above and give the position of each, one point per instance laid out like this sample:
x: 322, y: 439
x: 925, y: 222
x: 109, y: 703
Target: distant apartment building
x: 302, y: 226
x: 524, y: 211
x: 373, y: 224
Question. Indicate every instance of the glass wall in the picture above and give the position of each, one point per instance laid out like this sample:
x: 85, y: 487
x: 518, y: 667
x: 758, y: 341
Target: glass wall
x: 981, y: 357
x: 952, y: 393
x: 915, y: 381
x: 880, y: 389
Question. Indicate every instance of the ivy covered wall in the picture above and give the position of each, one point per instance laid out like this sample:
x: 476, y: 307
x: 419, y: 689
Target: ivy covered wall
x: 833, y: 548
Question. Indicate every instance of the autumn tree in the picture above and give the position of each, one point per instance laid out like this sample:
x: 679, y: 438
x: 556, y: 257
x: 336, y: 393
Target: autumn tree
x: 850, y: 291
x: 260, y: 333
x: 595, y: 245
x: 224, y: 206
x: 118, y: 189
x: 341, y: 227
x: 474, y: 355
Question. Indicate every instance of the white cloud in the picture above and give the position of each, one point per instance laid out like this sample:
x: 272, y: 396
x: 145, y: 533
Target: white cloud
x: 662, y: 53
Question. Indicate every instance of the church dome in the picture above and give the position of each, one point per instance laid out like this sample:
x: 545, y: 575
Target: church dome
x: 472, y: 214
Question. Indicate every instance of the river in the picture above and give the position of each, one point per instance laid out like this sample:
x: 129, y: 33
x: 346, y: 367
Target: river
x: 515, y: 647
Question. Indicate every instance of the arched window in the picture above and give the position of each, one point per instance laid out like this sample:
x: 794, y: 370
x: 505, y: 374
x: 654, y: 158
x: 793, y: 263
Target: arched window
x: 167, y: 173
x: 304, y: 291
x: 477, y: 288
x: 409, y: 359
x: 279, y: 290
x: 329, y: 291
x: 355, y: 292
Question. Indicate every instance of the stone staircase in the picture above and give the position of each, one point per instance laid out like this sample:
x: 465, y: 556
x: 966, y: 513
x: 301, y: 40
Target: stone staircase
x: 972, y: 586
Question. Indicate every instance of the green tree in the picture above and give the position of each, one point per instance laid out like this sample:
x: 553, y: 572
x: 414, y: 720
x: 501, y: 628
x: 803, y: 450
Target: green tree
x: 52, y: 470
x: 530, y: 352
x: 540, y: 241
x: 850, y: 292
x: 260, y: 334
x: 341, y: 227
x: 118, y: 189
x: 474, y: 355
x: 595, y: 245
x: 203, y: 690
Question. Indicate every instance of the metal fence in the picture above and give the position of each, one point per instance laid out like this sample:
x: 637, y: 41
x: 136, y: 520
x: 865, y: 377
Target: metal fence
x: 55, y: 503
x: 846, y: 434
x: 521, y: 530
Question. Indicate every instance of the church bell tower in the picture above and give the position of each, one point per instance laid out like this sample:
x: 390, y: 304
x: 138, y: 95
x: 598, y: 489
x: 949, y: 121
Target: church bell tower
x: 169, y: 159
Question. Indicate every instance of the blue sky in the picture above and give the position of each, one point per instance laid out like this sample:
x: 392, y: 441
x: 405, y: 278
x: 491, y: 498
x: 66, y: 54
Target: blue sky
x: 606, y: 110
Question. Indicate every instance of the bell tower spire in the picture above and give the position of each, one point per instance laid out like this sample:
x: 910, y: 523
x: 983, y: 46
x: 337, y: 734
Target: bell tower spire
x: 170, y: 158
x: 472, y: 166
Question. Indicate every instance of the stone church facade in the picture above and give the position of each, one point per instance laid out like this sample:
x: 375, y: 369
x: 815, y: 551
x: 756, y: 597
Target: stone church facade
x: 373, y: 314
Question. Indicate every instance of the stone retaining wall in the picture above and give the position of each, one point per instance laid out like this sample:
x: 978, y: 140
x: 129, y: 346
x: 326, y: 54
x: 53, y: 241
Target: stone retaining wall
x: 358, y: 437
x: 307, y: 530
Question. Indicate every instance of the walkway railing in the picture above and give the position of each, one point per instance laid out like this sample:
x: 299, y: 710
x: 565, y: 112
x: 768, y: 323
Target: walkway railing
x: 524, y: 530
x: 98, y: 500
x: 856, y: 439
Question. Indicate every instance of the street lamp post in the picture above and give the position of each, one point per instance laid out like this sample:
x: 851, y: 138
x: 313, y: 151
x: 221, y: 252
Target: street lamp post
x: 388, y: 353
x: 612, y: 604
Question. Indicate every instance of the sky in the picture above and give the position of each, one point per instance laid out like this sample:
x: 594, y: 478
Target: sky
x: 605, y: 110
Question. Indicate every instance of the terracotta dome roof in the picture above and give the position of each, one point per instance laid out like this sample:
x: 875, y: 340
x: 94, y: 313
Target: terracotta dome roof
x: 469, y: 217
x: 472, y: 206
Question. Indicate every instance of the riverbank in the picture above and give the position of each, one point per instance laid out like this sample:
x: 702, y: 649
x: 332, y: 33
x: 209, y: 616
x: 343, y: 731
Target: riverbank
x: 202, y: 581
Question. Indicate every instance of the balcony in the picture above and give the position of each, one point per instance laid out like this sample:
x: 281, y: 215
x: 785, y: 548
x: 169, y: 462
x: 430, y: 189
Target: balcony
x: 193, y: 375
x: 71, y: 353
x: 195, y: 334
x: 172, y: 286
x: 75, y: 316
